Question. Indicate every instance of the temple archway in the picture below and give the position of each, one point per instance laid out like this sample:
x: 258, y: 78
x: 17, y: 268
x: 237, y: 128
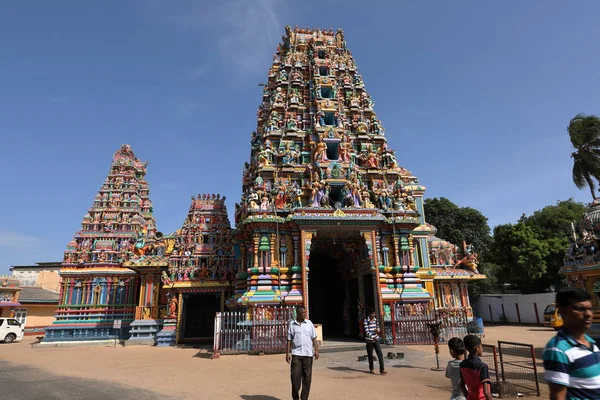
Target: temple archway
x: 340, y: 282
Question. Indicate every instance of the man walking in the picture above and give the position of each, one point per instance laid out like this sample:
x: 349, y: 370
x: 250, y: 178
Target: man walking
x: 371, y: 328
x: 301, y: 340
x: 571, y: 358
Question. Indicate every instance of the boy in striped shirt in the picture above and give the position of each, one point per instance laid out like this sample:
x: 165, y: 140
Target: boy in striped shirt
x: 372, y: 338
x: 571, y: 358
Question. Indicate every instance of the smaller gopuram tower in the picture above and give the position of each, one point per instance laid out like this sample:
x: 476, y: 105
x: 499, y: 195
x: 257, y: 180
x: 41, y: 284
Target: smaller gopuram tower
x: 95, y: 288
x: 186, y: 277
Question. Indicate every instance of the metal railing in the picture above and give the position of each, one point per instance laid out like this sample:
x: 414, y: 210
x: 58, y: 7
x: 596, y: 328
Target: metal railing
x: 254, y: 330
x: 412, y: 323
x: 518, y: 370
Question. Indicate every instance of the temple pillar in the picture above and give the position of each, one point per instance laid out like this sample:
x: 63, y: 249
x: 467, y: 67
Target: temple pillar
x: 274, y: 251
x: 256, y: 241
x: 396, y: 252
x: 378, y: 272
x: 243, y: 258
x: 306, y: 244
x: 296, y: 239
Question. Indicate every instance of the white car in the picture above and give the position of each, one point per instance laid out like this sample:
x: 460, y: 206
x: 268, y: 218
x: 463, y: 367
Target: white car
x: 11, y: 330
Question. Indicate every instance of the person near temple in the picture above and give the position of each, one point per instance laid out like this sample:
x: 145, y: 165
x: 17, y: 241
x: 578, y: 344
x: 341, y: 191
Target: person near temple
x: 371, y: 330
x: 572, y: 358
x: 301, y: 348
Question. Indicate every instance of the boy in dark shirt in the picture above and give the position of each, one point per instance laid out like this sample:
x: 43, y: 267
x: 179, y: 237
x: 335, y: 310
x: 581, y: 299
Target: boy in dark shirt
x: 475, y: 379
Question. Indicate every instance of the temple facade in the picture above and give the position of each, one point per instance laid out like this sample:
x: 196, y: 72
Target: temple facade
x: 328, y: 219
x: 581, y: 266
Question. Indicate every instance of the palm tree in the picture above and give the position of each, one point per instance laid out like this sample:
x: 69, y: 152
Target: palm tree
x: 584, y: 132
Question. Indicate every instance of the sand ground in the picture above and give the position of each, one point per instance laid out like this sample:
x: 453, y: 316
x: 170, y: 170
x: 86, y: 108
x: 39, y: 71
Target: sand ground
x: 188, y: 373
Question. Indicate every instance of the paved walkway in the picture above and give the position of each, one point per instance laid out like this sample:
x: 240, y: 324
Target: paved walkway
x: 188, y: 373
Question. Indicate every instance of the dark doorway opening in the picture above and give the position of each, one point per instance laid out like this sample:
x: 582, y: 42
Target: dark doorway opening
x: 333, y: 283
x: 198, y: 316
x: 326, y: 294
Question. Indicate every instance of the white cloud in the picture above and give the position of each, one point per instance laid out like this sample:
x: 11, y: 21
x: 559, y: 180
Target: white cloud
x: 245, y: 31
x: 15, y: 240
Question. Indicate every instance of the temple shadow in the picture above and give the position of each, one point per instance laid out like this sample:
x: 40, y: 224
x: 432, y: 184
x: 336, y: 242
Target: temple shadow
x: 203, y: 354
x: 348, y: 369
x: 258, y: 397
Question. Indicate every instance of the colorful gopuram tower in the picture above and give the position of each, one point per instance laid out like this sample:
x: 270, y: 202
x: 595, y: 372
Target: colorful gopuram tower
x: 323, y: 195
x: 328, y: 218
x: 187, y: 278
x: 95, y: 288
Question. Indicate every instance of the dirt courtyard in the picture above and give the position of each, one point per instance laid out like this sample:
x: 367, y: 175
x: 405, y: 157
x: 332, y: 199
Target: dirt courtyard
x: 188, y: 373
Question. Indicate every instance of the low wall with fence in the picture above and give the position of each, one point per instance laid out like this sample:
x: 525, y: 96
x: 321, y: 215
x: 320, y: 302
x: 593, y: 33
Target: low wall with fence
x: 411, y: 323
x: 513, y: 308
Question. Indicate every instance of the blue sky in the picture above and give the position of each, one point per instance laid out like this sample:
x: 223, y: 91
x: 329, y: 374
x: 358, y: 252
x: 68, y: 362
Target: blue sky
x: 475, y: 98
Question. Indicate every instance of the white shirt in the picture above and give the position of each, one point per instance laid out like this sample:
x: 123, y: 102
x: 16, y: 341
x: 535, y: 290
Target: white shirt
x: 301, y: 335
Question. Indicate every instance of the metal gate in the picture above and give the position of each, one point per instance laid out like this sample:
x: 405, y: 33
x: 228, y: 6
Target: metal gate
x: 252, y: 330
x: 512, y: 369
x: 412, y: 323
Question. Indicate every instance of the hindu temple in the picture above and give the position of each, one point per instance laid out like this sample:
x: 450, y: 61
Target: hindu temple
x: 581, y: 265
x: 328, y: 219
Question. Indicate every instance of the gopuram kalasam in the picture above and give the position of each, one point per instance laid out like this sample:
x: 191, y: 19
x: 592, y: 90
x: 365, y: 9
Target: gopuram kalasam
x: 327, y: 218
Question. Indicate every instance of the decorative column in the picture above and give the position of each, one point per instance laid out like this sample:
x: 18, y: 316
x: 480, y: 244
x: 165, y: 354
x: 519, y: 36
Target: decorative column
x: 306, y: 245
x: 294, y: 276
x: 273, y: 251
x: 396, y: 252
x: 256, y: 241
x: 379, y: 277
x: 412, y: 291
x: 296, y: 239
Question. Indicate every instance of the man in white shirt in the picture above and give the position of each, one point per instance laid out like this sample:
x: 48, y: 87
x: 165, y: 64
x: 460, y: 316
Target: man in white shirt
x: 302, y: 339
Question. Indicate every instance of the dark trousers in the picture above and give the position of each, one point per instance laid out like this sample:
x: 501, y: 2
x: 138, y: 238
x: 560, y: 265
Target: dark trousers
x: 301, y: 374
x: 377, y: 347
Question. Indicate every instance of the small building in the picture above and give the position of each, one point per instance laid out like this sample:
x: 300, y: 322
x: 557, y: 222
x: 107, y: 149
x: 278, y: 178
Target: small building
x: 9, y: 296
x: 42, y: 274
x: 37, y: 309
x: 38, y: 295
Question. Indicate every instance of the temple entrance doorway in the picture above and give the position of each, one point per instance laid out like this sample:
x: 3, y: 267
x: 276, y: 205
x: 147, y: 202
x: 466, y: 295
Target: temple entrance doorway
x: 338, y: 270
x: 198, y: 317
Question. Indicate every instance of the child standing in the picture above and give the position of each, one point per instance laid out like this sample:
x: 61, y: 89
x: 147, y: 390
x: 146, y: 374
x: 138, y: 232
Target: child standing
x: 457, y: 352
x: 475, y: 379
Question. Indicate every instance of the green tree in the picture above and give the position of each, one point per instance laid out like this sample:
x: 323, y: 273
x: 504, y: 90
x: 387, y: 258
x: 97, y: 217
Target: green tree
x: 529, y: 254
x: 553, y: 225
x: 457, y: 224
x: 584, y: 132
x: 520, y: 254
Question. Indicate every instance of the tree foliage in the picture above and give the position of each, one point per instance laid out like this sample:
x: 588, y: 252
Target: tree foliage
x: 456, y: 224
x: 530, y: 253
x: 520, y: 253
x: 584, y: 132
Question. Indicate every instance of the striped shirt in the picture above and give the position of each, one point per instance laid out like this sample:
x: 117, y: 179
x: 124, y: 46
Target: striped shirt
x: 574, y: 365
x: 370, y: 326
